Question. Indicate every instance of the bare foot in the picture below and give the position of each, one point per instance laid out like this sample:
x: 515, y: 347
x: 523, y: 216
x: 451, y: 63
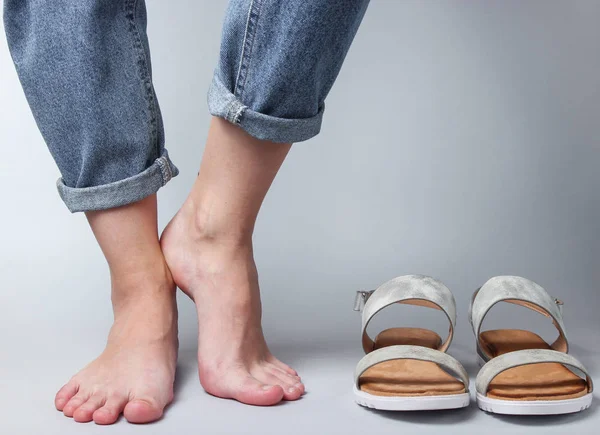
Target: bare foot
x: 220, y: 276
x: 135, y: 373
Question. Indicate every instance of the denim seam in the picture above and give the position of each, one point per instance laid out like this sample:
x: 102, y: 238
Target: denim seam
x: 248, y: 45
x: 237, y: 78
x: 235, y: 111
x: 237, y: 118
x: 142, y: 63
x: 230, y: 109
x: 165, y: 169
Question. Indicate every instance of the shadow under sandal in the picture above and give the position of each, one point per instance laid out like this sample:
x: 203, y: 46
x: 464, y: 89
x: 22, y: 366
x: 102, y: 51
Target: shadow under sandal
x: 521, y: 373
x: 407, y: 369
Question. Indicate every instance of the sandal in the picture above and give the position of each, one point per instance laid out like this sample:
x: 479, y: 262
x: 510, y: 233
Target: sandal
x: 521, y: 373
x: 407, y: 369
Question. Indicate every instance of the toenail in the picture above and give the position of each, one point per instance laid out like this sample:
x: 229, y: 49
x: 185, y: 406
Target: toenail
x: 267, y: 387
x: 292, y: 390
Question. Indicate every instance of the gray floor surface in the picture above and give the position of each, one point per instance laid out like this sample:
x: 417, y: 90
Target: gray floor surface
x: 29, y: 382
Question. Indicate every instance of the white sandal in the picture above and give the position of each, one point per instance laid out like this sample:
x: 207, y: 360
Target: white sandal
x: 407, y: 369
x: 521, y: 373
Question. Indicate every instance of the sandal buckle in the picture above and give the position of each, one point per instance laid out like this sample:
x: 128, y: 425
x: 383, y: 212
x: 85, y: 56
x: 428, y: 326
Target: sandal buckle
x: 361, y: 298
x: 559, y: 303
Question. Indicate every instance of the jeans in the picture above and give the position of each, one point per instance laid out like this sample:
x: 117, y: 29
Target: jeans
x: 86, y: 71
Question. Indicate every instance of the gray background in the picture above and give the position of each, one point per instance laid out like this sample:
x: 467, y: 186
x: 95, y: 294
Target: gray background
x: 461, y: 141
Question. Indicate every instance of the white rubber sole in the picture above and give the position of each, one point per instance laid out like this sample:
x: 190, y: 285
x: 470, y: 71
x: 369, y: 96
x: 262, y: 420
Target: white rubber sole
x: 417, y: 403
x: 534, y: 407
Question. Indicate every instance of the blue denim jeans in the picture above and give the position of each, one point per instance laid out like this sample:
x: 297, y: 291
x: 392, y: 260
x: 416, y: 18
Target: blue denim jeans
x: 86, y: 72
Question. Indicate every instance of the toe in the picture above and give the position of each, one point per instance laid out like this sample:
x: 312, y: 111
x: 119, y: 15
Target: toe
x: 294, y: 392
x: 279, y: 372
x: 84, y: 413
x: 291, y: 390
x: 254, y: 392
x: 292, y: 387
x: 65, y: 394
x: 142, y: 411
x: 74, y: 403
x: 282, y: 365
x: 109, y: 413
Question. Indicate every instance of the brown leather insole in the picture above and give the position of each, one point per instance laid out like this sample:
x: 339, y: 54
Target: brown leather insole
x: 543, y: 381
x: 408, y: 377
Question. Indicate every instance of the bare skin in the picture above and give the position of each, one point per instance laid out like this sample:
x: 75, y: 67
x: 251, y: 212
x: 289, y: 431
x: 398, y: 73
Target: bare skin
x: 135, y: 373
x: 208, y: 247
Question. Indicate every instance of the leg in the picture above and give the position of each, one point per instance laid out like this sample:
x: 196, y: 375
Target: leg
x: 85, y: 69
x: 278, y: 62
x: 208, y: 247
x: 135, y: 373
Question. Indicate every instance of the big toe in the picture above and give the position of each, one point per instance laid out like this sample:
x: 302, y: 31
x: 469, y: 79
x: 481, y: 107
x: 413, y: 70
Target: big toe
x: 142, y: 411
x: 254, y: 392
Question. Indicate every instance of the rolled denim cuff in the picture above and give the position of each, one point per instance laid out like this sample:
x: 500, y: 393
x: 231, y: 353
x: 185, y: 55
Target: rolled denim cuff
x: 122, y: 192
x: 224, y: 104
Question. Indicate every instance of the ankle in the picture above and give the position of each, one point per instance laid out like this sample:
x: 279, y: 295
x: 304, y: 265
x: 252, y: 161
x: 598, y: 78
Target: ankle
x: 210, y: 225
x: 149, y: 311
x: 151, y: 280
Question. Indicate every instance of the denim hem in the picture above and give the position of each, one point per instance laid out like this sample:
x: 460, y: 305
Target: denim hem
x: 120, y: 192
x: 222, y: 103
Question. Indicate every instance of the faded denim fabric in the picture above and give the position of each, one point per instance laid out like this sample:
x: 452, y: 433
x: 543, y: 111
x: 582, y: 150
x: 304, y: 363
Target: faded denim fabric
x: 279, y: 60
x: 86, y: 71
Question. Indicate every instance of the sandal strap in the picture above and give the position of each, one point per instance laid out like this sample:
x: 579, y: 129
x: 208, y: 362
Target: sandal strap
x: 409, y: 289
x: 420, y: 353
x: 520, y: 291
x: 519, y: 358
